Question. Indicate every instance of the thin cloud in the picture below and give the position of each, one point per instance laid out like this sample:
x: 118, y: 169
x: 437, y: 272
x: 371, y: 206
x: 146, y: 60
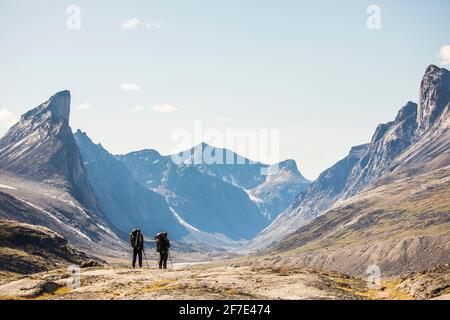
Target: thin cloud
x: 165, y: 108
x: 154, y: 24
x: 130, y: 24
x: 84, y: 107
x: 129, y: 87
x: 444, y: 55
x: 7, y: 118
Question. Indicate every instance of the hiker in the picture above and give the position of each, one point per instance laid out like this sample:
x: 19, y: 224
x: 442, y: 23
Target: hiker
x: 137, y: 242
x: 162, y: 246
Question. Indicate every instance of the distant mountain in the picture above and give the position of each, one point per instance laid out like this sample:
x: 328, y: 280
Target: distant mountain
x: 125, y: 203
x: 271, y: 193
x: 318, y: 197
x: 279, y: 189
x: 204, y: 202
x: 43, y: 179
x: 226, y: 164
x: 271, y: 187
x: 211, y: 188
x: 416, y: 142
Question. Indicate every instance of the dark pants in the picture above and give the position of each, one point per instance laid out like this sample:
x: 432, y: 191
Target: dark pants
x: 163, y: 259
x: 136, y: 252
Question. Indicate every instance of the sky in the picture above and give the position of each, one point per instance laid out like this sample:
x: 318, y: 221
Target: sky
x: 141, y: 71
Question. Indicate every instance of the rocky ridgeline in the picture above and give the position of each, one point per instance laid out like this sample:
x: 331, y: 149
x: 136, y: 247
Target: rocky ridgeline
x: 416, y: 142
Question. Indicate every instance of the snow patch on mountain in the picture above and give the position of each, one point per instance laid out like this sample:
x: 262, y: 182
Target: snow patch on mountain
x: 2, y: 186
x: 217, y: 240
x: 65, y: 225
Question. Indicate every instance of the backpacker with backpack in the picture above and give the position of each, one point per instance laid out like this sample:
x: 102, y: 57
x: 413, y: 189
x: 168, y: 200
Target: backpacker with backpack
x: 162, y: 243
x: 136, y: 239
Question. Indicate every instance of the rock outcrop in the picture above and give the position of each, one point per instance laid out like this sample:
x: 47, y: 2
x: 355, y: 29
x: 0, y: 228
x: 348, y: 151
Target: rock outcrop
x: 26, y: 249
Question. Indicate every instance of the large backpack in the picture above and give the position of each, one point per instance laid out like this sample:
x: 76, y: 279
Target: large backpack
x: 134, y: 238
x: 161, y: 242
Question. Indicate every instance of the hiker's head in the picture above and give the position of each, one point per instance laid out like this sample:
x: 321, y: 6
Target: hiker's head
x: 165, y: 234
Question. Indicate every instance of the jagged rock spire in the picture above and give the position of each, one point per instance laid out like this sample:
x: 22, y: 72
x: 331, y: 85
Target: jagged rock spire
x: 434, y: 96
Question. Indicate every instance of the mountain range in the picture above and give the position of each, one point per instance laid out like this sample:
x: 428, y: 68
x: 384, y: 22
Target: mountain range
x: 216, y: 199
x: 415, y: 146
x: 385, y: 202
x: 53, y: 177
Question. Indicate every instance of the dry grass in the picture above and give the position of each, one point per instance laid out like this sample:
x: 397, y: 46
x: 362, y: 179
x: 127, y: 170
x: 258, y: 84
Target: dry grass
x: 388, y: 291
x: 160, y: 285
x: 418, y: 206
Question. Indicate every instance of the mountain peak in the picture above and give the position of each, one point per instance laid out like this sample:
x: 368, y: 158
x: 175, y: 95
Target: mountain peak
x: 56, y: 108
x: 203, y: 146
x: 434, y: 96
x: 290, y: 165
x: 42, y: 147
x: 60, y: 105
x: 148, y: 154
x: 81, y: 135
x: 409, y: 110
x: 432, y: 68
x: 358, y: 151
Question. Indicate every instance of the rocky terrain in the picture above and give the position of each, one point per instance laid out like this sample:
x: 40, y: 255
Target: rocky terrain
x: 225, y: 281
x: 27, y: 249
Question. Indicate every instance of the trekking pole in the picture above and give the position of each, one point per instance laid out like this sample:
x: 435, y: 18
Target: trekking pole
x: 170, y: 259
x: 145, y: 257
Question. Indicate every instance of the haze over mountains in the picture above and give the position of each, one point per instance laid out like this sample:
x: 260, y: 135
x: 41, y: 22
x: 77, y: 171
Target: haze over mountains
x: 389, y: 195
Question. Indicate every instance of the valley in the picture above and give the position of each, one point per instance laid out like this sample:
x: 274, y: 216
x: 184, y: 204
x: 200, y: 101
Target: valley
x: 236, y: 232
